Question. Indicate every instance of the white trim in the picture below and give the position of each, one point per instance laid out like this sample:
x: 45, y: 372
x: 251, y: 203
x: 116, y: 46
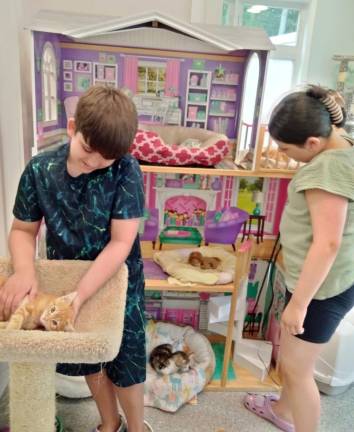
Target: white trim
x: 151, y: 64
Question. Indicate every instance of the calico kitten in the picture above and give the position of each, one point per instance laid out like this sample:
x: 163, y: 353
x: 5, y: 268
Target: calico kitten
x: 46, y: 310
x: 166, y: 362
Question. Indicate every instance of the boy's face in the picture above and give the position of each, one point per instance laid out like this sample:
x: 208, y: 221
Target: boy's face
x: 81, y: 157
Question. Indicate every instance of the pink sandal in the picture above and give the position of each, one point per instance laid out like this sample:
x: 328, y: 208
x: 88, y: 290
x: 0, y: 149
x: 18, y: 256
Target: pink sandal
x: 261, y: 405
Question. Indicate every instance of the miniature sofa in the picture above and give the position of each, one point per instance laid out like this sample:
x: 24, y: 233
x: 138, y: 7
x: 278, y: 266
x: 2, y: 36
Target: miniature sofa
x: 33, y: 354
x: 178, y: 145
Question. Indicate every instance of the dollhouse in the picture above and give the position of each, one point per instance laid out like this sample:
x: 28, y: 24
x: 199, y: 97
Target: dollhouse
x: 198, y: 87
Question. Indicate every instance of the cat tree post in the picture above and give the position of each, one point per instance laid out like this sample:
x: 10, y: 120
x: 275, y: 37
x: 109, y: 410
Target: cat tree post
x: 33, y: 354
x: 34, y: 382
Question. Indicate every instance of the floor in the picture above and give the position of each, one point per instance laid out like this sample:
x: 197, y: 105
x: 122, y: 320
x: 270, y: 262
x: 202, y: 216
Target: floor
x: 215, y: 412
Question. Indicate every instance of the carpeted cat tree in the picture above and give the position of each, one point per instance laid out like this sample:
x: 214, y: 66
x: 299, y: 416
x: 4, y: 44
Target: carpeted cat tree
x: 33, y: 355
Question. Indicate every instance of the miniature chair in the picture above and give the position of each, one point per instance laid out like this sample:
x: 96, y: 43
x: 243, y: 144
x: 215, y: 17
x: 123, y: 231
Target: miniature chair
x: 33, y: 354
x: 151, y: 227
x: 224, y: 227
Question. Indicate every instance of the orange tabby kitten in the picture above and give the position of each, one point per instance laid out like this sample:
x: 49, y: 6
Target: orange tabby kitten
x: 46, y: 310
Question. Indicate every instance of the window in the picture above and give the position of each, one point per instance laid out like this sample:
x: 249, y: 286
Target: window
x: 151, y: 78
x: 49, y: 85
x: 280, y: 24
x: 284, y: 22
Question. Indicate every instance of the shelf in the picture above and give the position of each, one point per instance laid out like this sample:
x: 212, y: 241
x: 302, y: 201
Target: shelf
x: 198, y: 88
x: 233, y: 172
x: 222, y: 99
x: 196, y: 120
x: 197, y: 103
x: 224, y: 83
x: 222, y: 114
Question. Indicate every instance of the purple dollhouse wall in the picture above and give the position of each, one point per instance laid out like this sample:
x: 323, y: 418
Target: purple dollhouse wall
x: 233, y: 64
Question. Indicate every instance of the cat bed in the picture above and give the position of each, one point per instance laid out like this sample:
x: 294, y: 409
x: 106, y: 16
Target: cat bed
x: 166, y: 392
x: 175, y: 263
x: 33, y: 354
x: 178, y: 145
x: 170, y: 392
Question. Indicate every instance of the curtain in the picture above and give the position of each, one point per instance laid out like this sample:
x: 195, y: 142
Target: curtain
x: 172, y: 78
x: 130, y: 77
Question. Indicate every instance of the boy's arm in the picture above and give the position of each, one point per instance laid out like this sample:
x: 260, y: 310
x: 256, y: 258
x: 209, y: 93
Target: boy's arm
x: 328, y: 216
x: 123, y: 234
x: 22, y: 245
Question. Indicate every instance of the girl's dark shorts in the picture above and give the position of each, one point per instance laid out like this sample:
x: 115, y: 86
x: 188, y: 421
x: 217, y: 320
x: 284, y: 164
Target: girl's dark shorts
x: 129, y: 367
x: 323, y: 316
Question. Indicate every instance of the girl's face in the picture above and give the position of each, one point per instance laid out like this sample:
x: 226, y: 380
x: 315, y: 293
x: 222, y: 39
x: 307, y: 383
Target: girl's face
x: 81, y: 158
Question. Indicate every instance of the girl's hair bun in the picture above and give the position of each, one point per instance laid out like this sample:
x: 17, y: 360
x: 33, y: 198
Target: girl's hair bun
x: 332, y: 100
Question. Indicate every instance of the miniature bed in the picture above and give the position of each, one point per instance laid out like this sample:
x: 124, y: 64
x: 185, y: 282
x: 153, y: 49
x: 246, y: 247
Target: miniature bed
x: 33, y: 354
x: 175, y: 263
x: 177, y: 145
x: 170, y: 392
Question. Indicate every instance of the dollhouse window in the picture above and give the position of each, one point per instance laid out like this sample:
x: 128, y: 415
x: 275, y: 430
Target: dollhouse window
x: 49, y: 85
x: 151, y: 78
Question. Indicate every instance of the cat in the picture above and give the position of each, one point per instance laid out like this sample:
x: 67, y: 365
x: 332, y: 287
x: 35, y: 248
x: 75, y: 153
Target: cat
x: 196, y: 259
x: 164, y: 361
x: 51, y: 312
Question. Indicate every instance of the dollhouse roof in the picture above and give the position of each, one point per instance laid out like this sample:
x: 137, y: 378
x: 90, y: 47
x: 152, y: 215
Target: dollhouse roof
x: 103, y: 29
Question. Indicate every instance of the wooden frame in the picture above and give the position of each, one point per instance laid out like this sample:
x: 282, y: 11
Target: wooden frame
x: 243, y: 261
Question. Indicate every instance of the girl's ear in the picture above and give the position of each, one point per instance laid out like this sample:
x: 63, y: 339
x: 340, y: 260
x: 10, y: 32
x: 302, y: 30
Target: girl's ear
x: 313, y: 144
x: 70, y: 127
x: 69, y: 298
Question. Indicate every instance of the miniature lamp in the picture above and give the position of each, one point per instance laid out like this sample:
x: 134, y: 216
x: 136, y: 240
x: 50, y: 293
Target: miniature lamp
x: 258, y: 200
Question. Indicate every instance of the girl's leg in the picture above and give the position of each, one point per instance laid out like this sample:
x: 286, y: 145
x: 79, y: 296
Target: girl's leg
x: 300, y: 400
x: 103, y: 393
x: 131, y: 400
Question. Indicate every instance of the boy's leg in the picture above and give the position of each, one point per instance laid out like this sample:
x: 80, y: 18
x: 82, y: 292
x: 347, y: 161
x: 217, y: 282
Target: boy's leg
x: 103, y: 393
x: 131, y: 400
x: 300, y: 401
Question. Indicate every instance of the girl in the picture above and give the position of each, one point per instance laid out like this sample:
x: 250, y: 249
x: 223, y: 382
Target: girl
x: 317, y: 237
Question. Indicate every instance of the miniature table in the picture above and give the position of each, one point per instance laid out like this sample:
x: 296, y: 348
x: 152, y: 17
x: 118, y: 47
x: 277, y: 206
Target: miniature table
x: 180, y: 235
x: 247, y: 230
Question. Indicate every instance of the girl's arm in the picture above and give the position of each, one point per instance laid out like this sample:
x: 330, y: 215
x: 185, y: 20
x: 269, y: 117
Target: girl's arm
x: 328, y: 216
x: 22, y: 245
x: 123, y: 234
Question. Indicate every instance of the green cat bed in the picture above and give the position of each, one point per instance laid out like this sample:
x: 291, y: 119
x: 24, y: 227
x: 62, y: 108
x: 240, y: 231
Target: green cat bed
x: 33, y: 354
x: 218, y: 349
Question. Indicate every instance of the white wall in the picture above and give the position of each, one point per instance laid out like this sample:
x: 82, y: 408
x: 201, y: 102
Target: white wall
x: 180, y: 9
x: 11, y: 125
x: 333, y: 33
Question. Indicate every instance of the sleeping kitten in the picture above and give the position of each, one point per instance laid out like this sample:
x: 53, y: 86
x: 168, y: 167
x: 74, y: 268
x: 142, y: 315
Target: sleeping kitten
x: 166, y: 362
x: 46, y: 310
x: 196, y: 259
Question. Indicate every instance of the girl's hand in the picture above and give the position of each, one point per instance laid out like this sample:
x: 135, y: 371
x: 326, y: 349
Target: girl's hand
x: 292, y: 319
x: 14, y: 290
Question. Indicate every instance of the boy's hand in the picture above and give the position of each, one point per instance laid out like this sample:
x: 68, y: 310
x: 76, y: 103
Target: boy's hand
x: 14, y: 290
x: 292, y: 319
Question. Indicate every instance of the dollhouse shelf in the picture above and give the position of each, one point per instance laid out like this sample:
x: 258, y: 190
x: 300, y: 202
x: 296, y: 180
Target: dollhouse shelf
x: 275, y: 173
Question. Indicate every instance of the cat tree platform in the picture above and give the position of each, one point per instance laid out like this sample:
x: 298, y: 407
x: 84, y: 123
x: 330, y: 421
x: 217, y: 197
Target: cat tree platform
x: 33, y: 354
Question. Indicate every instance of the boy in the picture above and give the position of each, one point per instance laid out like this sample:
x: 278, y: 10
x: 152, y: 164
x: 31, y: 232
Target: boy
x: 90, y: 194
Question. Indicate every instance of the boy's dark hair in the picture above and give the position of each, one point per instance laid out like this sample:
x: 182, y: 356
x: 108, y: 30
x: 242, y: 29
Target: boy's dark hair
x: 303, y: 114
x: 108, y: 121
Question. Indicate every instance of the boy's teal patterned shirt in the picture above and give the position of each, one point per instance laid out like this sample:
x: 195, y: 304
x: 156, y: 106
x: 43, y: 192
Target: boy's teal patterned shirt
x: 78, y: 210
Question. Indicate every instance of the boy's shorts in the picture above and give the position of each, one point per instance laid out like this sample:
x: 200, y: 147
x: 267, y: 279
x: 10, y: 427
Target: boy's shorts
x: 129, y: 367
x: 323, y: 316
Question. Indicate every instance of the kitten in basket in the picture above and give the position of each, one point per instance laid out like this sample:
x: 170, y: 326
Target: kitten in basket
x: 196, y: 259
x: 46, y: 311
x: 164, y: 361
